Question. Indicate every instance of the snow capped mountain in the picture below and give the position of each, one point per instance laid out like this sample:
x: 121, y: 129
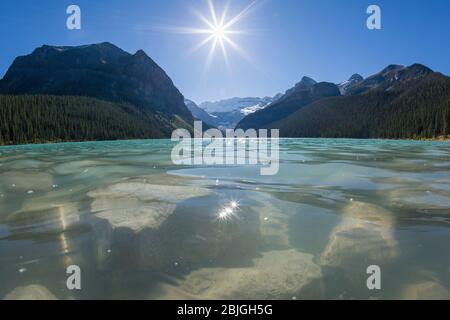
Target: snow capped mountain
x: 262, y: 105
x: 199, y: 113
x: 253, y: 109
x: 226, y: 114
x: 233, y: 104
x: 345, y: 86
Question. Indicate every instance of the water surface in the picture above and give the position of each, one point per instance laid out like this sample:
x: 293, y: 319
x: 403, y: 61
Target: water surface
x: 141, y: 228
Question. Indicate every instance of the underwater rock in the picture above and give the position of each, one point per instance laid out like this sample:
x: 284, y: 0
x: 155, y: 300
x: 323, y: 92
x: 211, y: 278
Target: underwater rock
x: 50, y: 217
x: 274, y: 275
x: 128, y: 216
x: 273, y: 226
x: 420, y: 198
x: 364, y: 236
x: 132, y: 213
x: 426, y: 290
x: 23, y: 181
x: 141, y: 203
x: 362, y: 239
x: 31, y: 292
x: 77, y: 167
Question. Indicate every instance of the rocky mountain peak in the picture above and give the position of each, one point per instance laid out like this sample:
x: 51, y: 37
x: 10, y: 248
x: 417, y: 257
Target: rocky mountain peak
x: 306, y: 82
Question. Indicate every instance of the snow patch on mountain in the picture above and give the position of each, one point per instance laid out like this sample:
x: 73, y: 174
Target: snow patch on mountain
x: 345, y: 86
x: 253, y: 109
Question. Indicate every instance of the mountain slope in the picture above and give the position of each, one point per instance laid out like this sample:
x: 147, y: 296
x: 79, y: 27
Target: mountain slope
x: 227, y: 113
x: 39, y: 119
x: 411, y: 102
x: 391, y: 78
x: 105, y: 72
x: 199, y: 113
x: 353, y: 81
x: 304, y: 93
x: 233, y: 104
x: 102, y: 71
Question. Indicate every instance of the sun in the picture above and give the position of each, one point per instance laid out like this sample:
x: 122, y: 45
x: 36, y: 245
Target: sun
x: 219, y: 30
x: 219, y: 33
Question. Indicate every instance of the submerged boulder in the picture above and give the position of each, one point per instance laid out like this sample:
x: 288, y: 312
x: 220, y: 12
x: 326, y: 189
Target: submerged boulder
x: 128, y: 215
x: 425, y: 290
x: 420, y: 198
x: 31, y: 292
x: 26, y: 181
x: 273, y: 225
x: 50, y: 217
x: 283, y: 274
x: 141, y: 203
x: 364, y: 236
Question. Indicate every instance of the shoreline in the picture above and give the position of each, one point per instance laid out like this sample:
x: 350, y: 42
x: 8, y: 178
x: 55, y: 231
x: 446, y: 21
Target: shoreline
x: 444, y: 139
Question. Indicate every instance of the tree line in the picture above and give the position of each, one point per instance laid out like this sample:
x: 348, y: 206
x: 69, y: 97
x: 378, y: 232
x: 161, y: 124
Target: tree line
x: 44, y: 118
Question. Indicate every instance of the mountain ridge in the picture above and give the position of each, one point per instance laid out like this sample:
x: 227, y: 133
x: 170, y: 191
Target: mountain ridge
x: 227, y: 113
x: 104, y: 83
x: 398, y: 102
x: 101, y: 71
x: 302, y: 94
x: 133, y: 87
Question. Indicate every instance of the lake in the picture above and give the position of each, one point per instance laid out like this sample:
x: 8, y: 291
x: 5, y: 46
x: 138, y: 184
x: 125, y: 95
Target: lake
x: 140, y: 227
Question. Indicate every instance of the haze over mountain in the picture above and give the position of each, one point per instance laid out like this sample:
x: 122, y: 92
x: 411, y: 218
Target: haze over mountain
x: 105, y: 72
x: 226, y: 114
x: 200, y: 114
x: 233, y: 104
x: 397, y: 102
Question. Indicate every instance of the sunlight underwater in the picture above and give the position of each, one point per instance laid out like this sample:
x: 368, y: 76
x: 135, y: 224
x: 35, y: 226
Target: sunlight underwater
x: 140, y: 227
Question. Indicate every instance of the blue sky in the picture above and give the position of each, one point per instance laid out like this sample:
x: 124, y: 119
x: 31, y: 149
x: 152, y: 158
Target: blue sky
x: 324, y: 39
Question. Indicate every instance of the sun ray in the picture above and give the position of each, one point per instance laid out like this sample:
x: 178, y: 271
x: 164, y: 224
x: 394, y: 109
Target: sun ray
x: 236, y: 47
x: 224, y: 14
x: 202, y: 44
x: 211, y: 54
x: 190, y: 30
x: 206, y: 21
x: 241, y: 15
x: 224, y: 51
x: 218, y: 31
x: 236, y: 32
x: 213, y: 12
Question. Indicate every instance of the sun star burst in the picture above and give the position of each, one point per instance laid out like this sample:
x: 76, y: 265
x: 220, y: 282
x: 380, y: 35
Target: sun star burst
x: 229, y: 211
x: 219, y: 31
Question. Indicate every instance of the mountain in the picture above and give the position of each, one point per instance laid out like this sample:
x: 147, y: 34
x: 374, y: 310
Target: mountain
x: 302, y: 94
x: 227, y: 113
x: 304, y: 84
x: 346, y: 86
x: 41, y: 119
x: 398, y: 102
x: 391, y: 78
x: 233, y: 104
x: 199, y: 113
x: 228, y: 120
x: 105, y: 72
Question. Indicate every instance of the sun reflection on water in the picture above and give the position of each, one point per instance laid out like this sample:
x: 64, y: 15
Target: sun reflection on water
x: 229, y: 211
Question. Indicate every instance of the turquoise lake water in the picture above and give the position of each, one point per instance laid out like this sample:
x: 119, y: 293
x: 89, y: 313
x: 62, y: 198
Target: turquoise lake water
x: 140, y: 227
